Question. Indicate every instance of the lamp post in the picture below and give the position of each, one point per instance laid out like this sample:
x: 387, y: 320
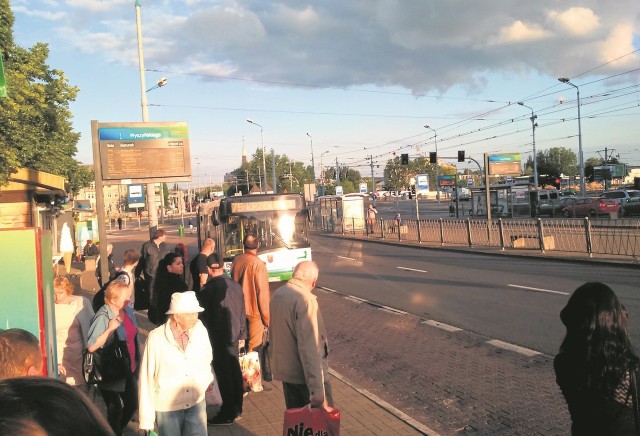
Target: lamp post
x: 313, y: 165
x: 264, y: 162
x: 535, y: 156
x: 580, y: 156
x: 435, y: 138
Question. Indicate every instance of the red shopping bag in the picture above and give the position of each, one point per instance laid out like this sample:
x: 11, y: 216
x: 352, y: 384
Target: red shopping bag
x: 311, y: 421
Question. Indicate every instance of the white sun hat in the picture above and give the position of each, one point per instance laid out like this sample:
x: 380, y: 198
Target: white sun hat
x: 184, y: 302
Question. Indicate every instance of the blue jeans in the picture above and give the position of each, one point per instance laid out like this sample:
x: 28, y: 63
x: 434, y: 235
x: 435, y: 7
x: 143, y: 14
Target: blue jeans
x: 185, y: 422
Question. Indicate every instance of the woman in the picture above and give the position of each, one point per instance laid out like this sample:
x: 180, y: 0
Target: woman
x: 168, y: 280
x: 596, y: 365
x: 176, y: 371
x: 116, y: 321
x: 181, y: 249
x: 73, y: 317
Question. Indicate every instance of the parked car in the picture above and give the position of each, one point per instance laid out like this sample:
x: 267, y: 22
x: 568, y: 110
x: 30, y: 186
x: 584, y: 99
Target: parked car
x: 591, y: 207
x: 620, y: 196
x: 555, y: 207
x: 631, y: 207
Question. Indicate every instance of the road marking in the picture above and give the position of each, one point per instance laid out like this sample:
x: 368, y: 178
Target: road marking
x: 392, y: 310
x: 349, y: 258
x: 323, y: 288
x: 411, y: 269
x: 511, y: 347
x: 355, y: 299
x: 442, y: 326
x: 549, y: 291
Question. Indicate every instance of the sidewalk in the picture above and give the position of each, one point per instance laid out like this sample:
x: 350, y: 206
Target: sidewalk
x: 361, y: 412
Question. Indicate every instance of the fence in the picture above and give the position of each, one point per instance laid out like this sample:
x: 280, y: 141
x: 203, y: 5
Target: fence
x: 591, y: 236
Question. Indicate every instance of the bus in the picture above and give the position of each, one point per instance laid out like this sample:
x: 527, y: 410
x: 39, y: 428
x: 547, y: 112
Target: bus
x: 280, y: 221
x: 337, y: 211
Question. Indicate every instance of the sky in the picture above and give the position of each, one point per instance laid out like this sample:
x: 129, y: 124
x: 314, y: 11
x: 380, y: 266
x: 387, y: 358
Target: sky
x: 352, y: 81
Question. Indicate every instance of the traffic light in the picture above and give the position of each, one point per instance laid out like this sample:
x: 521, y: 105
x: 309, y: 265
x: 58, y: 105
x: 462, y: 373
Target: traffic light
x: 460, y: 155
x: 433, y: 157
x: 404, y: 158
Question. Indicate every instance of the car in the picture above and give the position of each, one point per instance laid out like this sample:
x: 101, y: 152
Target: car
x: 631, y: 207
x: 619, y: 195
x: 464, y: 197
x: 591, y: 207
x: 555, y: 207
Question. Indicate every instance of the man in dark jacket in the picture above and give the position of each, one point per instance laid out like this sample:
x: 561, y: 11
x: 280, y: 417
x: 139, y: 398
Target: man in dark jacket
x: 224, y: 318
x: 150, y: 254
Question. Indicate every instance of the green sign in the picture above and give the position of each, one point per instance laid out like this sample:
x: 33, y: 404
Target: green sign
x: 3, y: 82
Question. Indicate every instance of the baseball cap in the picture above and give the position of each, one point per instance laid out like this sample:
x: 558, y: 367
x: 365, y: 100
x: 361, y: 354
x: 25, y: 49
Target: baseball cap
x: 213, y: 261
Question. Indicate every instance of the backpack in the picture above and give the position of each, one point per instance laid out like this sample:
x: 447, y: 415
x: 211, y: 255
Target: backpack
x: 98, y: 299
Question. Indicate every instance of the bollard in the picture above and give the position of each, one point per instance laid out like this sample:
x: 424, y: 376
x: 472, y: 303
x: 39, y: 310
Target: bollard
x: 181, y: 230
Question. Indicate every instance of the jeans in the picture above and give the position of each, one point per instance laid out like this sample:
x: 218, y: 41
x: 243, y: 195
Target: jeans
x: 121, y: 405
x: 185, y: 422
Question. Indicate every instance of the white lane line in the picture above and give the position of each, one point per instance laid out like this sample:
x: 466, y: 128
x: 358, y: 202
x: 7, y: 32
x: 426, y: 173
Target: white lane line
x: 411, y: 269
x: 355, y: 299
x: 349, y: 258
x: 441, y: 325
x: 392, y: 310
x: 324, y: 288
x: 549, y: 291
x: 511, y: 347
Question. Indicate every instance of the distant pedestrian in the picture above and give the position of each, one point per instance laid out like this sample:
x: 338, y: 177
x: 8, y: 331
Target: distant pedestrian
x: 299, y: 341
x: 596, y: 367
x: 176, y: 372
x: 397, y: 220
x: 371, y: 217
x: 66, y: 246
x: 90, y: 249
x: 119, y: 222
x: 20, y: 354
x: 251, y: 272
x: 225, y: 320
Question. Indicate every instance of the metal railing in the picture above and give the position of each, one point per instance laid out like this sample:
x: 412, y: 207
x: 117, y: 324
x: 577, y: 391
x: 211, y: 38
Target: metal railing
x: 619, y: 237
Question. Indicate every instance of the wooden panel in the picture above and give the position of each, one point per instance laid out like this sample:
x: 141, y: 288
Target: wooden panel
x: 15, y: 215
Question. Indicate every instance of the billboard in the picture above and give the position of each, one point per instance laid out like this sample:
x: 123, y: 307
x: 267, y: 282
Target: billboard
x: 447, y: 180
x: 422, y: 183
x: 144, y: 152
x: 504, y: 164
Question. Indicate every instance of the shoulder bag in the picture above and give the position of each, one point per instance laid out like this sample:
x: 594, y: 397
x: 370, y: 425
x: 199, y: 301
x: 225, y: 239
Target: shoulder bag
x: 105, y: 365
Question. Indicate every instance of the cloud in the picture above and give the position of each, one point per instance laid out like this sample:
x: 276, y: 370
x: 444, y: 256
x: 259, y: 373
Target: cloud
x: 520, y: 32
x: 47, y: 15
x: 619, y: 43
x: 576, y: 21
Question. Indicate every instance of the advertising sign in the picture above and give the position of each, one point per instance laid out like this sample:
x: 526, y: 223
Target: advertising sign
x: 422, y: 183
x: 339, y: 190
x: 363, y: 188
x: 504, y: 164
x: 135, y: 196
x: 447, y: 180
x: 144, y: 152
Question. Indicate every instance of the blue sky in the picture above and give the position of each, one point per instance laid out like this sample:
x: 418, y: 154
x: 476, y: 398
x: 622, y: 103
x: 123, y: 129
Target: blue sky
x: 362, y: 77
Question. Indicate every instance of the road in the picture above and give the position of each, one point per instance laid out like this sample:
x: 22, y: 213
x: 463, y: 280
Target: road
x: 513, y: 299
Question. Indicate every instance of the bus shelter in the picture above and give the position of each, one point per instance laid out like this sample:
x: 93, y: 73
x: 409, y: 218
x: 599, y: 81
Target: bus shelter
x: 506, y: 200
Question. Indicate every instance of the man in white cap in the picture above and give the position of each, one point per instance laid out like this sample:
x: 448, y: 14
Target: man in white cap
x: 176, y: 371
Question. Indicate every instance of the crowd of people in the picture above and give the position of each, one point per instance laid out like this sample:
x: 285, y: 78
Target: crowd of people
x: 203, y: 326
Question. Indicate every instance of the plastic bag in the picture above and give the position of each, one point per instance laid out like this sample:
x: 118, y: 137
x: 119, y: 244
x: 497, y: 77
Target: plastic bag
x: 308, y: 420
x: 251, y: 375
x: 212, y: 398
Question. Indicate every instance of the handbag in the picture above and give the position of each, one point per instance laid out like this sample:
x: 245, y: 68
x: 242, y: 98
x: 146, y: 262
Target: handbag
x: 251, y: 374
x: 105, y: 365
x: 310, y: 420
x: 264, y: 351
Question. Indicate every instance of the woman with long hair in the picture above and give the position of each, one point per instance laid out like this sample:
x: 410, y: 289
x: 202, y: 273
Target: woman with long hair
x: 182, y: 250
x: 116, y: 321
x: 168, y: 279
x: 596, y: 367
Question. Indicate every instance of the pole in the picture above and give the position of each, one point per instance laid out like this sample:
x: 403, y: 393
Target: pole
x: 151, y: 198
x: 435, y: 137
x: 535, y: 156
x: 580, y: 155
x: 313, y: 165
x: 273, y: 170
x: 373, y: 183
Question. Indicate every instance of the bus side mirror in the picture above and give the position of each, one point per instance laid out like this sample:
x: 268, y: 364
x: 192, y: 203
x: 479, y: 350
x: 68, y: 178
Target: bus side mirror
x: 215, y: 217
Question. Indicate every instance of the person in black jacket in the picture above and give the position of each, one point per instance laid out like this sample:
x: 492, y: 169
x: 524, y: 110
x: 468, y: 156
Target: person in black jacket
x: 168, y: 280
x: 111, y: 265
x: 596, y: 367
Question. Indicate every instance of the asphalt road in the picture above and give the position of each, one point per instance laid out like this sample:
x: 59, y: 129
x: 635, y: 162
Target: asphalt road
x: 513, y: 299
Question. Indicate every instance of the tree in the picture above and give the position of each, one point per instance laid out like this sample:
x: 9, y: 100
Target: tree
x: 35, y: 127
x: 556, y: 161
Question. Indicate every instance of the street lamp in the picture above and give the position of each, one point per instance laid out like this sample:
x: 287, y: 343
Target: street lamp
x: 313, y: 165
x: 435, y: 138
x: 535, y: 156
x: 580, y: 156
x: 159, y: 84
x: 264, y: 162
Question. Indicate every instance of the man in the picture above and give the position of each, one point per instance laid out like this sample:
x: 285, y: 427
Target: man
x: 299, y: 341
x: 251, y: 272
x: 20, y: 354
x: 111, y: 265
x: 150, y: 254
x: 224, y: 318
x: 176, y: 371
x: 198, y: 266
x: 371, y: 217
x: 90, y: 249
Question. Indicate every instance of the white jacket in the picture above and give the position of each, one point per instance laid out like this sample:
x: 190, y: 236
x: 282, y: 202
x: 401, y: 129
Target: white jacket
x: 170, y: 378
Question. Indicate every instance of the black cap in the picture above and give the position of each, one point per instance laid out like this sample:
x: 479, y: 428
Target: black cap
x: 213, y: 261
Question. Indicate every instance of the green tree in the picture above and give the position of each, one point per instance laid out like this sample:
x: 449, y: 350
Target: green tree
x: 35, y: 127
x: 556, y: 161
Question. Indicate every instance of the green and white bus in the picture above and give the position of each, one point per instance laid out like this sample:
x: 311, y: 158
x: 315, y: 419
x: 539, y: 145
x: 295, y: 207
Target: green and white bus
x: 280, y: 221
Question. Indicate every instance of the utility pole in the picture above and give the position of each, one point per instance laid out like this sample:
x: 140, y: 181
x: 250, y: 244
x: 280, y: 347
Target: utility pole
x: 337, y: 173
x: 373, y: 182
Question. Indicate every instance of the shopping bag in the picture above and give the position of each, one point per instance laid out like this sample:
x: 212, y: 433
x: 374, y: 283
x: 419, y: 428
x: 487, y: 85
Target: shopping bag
x: 251, y: 376
x: 309, y: 420
x: 212, y: 398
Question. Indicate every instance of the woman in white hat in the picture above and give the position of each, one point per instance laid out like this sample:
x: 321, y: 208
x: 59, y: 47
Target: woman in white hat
x: 176, y: 371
